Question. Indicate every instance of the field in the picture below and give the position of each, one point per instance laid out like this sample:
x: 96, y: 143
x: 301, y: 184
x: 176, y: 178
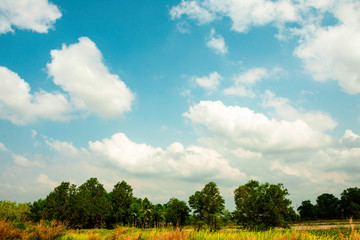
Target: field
x: 303, y: 231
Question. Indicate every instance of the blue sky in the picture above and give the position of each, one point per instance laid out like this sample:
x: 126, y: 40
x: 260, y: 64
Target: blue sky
x: 169, y: 95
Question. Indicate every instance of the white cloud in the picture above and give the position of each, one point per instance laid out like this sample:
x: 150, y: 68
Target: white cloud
x: 63, y: 147
x: 217, y: 43
x: 24, y: 162
x: 329, y: 52
x: 80, y: 71
x: 35, y: 15
x: 244, y: 81
x: 333, y: 53
x: 283, y: 110
x: 350, y: 139
x: 192, y: 10
x: 251, y: 76
x: 239, y: 127
x: 44, y: 179
x: 3, y: 148
x: 19, y: 106
x: 243, y: 14
x: 209, y: 83
x: 192, y: 162
x: 241, y: 91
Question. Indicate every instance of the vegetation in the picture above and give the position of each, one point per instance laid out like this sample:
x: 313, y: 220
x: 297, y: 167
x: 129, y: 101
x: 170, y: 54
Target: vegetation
x: 208, y: 206
x: 330, y: 207
x: 262, y: 206
x: 90, y: 212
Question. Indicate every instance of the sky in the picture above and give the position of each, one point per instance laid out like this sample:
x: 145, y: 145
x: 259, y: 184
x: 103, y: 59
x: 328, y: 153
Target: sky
x: 170, y: 95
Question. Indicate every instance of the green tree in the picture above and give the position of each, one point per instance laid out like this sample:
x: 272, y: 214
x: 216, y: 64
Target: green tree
x: 37, y: 210
x: 158, y: 214
x: 350, y: 203
x: 58, y: 204
x: 307, y: 210
x: 262, y: 206
x: 121, y: 198
x: 208, y: 206
x: 177, y: 212
x: 145, y: 213
x: 327, y: 206
x: 135, y: 209
x: 92, y: 206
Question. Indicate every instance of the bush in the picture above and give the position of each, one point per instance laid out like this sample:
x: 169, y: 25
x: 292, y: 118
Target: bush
x: 14, y: 211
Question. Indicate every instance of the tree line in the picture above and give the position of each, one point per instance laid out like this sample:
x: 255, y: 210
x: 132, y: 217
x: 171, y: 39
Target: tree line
x: 328, y: 206
x: 258, y: 206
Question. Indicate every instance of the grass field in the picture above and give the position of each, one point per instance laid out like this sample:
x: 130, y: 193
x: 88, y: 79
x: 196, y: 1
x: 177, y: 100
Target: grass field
x: 303, y: 231
x: 322, y: 230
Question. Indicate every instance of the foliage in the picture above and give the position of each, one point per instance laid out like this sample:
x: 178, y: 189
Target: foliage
x: 177, y: 212
x: 208, y: 206
x: 262, y: 206
x: 327, y: 206
x: 307, y: 210
x: 121, y: 198
x: 14, y: 211
x: 350, y: 203
x: 91, y: 204
x: 41, y: 230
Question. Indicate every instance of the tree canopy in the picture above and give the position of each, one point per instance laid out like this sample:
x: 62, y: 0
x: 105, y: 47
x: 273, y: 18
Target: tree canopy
x: 262, y: 206
x: 208, y: 205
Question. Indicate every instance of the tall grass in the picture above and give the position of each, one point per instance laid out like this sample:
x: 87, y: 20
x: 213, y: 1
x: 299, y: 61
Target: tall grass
x: 41, y: 230
x: 123, y: 233
x: 55, y: 230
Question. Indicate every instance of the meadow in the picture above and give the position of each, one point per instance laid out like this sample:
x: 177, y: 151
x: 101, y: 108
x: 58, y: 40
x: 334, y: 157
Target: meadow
x: 321, y: 230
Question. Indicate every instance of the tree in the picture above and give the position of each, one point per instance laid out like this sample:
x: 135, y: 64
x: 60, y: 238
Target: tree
x: 92, y: 205
x: 350, y: 203
x: 177, y: 212
x: 158, y: 214
x: 208, y: 205
x: 121, y: 198
x: 146, y: 212
x: 327, y: 206
x: 58, y: 204
x: 262, y: 206
x: 37, y: 210
x: 307, y: 210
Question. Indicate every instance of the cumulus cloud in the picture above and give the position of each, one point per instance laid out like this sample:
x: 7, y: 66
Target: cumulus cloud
x: 36, y: 15
x: 350, y: 139
x: 283, y: 110
x: 19, y: 106
x: 24, y: 162
x: 332, y: 53
x: 244, y: 81
x: 3, y: 148
x: 243, y: 14
x: 239, y: 127
x: 210, y: 82
x: 193, y: 162
x: 65, y: 148
x: 80, y: 71
x: 216, y: 43
x: 193, y: 10
x: 44, y: 179
x: 328, y: 51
